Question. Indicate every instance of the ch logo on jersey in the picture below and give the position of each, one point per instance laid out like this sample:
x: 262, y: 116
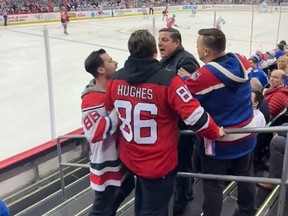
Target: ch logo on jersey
x: 195, y: 75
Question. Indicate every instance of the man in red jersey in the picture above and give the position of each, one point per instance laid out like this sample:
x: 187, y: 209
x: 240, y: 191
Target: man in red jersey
x: 148, y: 100
x: 64, y: 20
x: 165, y: 13
x: 107, y: 174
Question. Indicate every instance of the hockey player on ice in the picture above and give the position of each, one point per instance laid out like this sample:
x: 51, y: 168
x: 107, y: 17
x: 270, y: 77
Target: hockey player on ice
x: 264, y: 7
x: 171, y: 22
x: 145, y: 12
x: 165, y: 13
x: 219, y: 22
x: 193, y: 10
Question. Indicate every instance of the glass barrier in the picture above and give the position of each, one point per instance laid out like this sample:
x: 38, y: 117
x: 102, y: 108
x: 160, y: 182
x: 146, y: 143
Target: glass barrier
x: 25, y: 114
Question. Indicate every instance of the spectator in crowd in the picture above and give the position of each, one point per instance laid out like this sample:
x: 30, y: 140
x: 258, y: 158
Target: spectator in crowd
x: 277, y: 150
x: 107, y: 174
x: 283, y: 42
x: 269, y: 62
x: 279, y: 51
x: 257, y: 99
x: 222, y: 87
x: 282, y: 63
x: 276, y: 160
x: 148, y: 100
x: 263, y: 106
x: 257, y: 72
x: 174, y: 56
x: 277, y: 94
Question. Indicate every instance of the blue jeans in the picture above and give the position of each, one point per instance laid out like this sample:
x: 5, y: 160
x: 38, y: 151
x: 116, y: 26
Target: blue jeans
x: 152, y: 196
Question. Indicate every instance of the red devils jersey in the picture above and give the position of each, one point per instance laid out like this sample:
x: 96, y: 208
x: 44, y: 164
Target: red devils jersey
x: 64, y: 17
x: 165, y: 11
x: 170, y: 22
x: 148, y: 113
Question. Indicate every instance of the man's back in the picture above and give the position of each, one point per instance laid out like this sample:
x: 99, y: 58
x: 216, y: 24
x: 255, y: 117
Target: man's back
x: 148, y: 100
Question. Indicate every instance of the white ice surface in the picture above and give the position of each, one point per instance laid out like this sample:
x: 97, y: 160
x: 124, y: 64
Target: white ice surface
x: 24, y: 109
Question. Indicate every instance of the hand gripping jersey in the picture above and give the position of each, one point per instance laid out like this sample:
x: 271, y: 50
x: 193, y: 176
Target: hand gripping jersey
x: 223, y: 89
x: 106, y: 168
x: 149, y: 100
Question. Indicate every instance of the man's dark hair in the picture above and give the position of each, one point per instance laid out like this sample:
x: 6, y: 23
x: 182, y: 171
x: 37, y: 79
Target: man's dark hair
x: 142, y: 44
x: 175, y: 34
x: 254, y: 59
x: 280, y: 46
x: 258, y: 97
x: 283, y: 42
x: 214, y: 39
x: 93, y: 61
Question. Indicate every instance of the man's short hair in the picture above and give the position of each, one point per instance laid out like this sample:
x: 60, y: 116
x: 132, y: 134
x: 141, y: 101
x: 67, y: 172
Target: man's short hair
x: 142, y: 44
x: 254, y: 59
x: 281, y: 46
x: 283, y: 42
x: 93, y: 61
x: 175, y: 34
x: 258, y: 97
x: 214, y: 39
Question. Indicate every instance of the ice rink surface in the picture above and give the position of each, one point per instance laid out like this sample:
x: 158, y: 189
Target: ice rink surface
x: 24, y: 109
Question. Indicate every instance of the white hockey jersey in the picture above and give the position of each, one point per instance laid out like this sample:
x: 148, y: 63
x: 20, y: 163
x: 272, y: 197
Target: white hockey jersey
x: 106, y: 167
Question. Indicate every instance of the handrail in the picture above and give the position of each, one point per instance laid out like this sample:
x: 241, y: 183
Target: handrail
x: 283, y: 182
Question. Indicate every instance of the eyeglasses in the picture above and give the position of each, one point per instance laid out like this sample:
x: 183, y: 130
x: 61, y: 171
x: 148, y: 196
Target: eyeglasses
x: 274, y: 77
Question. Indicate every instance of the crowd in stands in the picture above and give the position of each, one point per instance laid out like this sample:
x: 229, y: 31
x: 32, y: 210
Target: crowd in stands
x: 28, y: 6
x: 271, y: 69
x: 46, y: 6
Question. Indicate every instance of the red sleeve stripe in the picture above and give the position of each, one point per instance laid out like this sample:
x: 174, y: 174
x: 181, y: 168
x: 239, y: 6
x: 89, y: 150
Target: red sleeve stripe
x: 101, y: 131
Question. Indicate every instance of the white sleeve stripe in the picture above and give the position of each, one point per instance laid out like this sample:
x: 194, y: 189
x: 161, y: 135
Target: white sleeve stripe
x: 229, y: 74
x: 211, y: 88
x: 194, y: 116
x: 92, y: 108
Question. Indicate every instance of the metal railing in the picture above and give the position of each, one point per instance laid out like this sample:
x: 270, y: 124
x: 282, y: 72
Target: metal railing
x: 282, y: 182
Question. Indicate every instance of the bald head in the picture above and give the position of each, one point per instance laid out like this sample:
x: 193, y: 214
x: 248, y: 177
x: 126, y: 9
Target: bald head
x: 277, y: 78
x: 279, y: 73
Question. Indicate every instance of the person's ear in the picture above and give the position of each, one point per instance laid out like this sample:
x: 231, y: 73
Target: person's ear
x: 100, y: 70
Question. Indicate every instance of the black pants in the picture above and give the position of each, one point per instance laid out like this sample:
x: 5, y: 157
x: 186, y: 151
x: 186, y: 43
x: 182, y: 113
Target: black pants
x: 184, y: 186
x: 213, y: 190
x: 107, y: 202
x: 5, y: 20
x: 152, y: 196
